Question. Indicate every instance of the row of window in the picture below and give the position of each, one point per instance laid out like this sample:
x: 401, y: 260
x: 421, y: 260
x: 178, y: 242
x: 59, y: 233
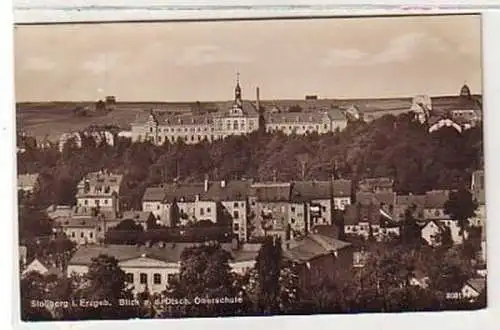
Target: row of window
x: 297, y: 127
x: 97, y: 202
x: 143, y: 278
x: 82, y: 234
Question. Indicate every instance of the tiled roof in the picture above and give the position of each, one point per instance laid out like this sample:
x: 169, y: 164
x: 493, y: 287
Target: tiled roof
x: 372, y: 183
x: 272, y: 192
x: 90, y: 222
x: 236, y: 190
x: 171, y: 252
x: 296, y: 117
x: 27, y: 180
x: 139, y: 216
x: 303, y: 191
x: 408, y: 200
x: 366, y: 198
x: 314, y: 245
x: 183, y: 192
x: 336, y: 114
x: 446, y: 103
x: 248, y: 109
x: 330, y: 231
x: 341, y: 188
x: 153, y: 194
x: 436, y: 199
x: 186, y: 119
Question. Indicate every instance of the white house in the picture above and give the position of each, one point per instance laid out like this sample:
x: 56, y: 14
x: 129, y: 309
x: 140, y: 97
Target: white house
x: 154, y: 267
x: 473, y: 288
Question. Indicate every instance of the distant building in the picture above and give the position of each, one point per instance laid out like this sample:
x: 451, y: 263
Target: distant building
x: 41, y: 268
x: 376, y: 185
x: 478, y: 193
x: 82, y: 230
x: 74, y: 137
x: 155, y: 266
x: 239, y: 118
x: 300, y: 123
x: 99, y: 191
x: 27, y: 182
x: 369, y: 220
x: 473, y: 288
x: 142, y: 218
x: 341, y: 193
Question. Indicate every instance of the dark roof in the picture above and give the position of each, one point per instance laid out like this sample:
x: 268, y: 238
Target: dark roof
x: 236, y: 190
x: 341, y: 188
x: 331, y: 231
x: 366, y: 198
x: 372, y: 183
x: 139, y: 216
x: 437, y: 223
x: 153, y: 194
x: 408, y: 200
x: 87, y: 222
x: 296, y: 117
x: 448, y: 103
x: 356, y: 213
x: 183, y: 192
x: 435, y: 199
x: 314, y: 245
x: 171, y: 252
x: 303, y: 191
x: 271, y: 192
x: 478, y: 284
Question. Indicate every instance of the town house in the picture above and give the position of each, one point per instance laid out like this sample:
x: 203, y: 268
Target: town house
x: 27, y: 182
x: 99, y: 191
x: 369, y: 220
x: 153, y: 267
x: 341, y: 192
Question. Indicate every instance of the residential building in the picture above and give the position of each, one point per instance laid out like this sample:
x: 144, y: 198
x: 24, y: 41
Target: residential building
x: 154, y: 267
x: 57, y: 212
x: 319, y: 257
x: 27, y: 182
x: 152, y: 201
x: 237, y: 118
x: 473, y: 288
x: 300, y: 123
x: 434, y: 205
x: 231, y: 202
x: 74, y: 137
x: 310, y: 205
x: 413, y: 203
x: 341, y: 193
x: 369, y: 220
x: 83, y: 230
x: 270, y: 205
x: 99, y: 191
x: 187, y: 201
x: 42, y: 268
x: 142, y: 218
x: 432, y: 232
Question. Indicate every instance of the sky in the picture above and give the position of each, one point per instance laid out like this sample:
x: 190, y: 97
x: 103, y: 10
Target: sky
x: 286, y: 59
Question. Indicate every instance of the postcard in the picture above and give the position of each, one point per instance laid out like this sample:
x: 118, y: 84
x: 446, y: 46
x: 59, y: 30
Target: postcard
x: 254, y: 167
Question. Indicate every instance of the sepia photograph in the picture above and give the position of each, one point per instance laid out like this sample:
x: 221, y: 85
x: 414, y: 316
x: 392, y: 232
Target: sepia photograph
x: 258, y: 167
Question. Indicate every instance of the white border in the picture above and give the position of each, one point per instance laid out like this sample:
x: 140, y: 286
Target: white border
x: 487, y: 319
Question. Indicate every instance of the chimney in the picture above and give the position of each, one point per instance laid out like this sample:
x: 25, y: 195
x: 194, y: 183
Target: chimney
x: 197, y: 198
x: 257, y: 100
x: 205, y: 183
x: 223, y: 184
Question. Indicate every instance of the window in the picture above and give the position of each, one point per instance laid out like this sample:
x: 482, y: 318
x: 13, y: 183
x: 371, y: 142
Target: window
x: 235, y: 204
x: 105, y: 201
x: 292, y: 221
x: 143, y: 278
x: 192, y: 137
x: 208, y: 210
x: 325, y: 126
x: 151, y: 129
x: 236, y: 215
x: 436, y: 213
x: 99, y: 228
x: 293, y: 208
x: 129, y: 278
x: 157, y: 278
x: 236, y: 227
x: 170, y: 277
x: 86, y: 202
x: 91, y: 234
x: 185, y: 129
x: 202, y: 211
x: 157, y: 207
x: 73, y: 234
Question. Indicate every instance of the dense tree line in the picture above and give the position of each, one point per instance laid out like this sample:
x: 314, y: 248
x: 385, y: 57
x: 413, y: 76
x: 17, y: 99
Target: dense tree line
x: 390, y: 146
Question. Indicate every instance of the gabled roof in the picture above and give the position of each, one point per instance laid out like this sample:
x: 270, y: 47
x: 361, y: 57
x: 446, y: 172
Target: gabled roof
x: 313, y: 246
x: 170, y: 253
x: 335, y: 114
x: 139, y: 216
x: 183, y: 192
x: 356, y: 213
x: 373, y: 183
x: 341, y: 188
x: 153, y: 194
x: 236, y: 190
x: 436, y: 199
x: 303, y: 191
x: 366, y: 198
x: 438, y: 224
x: 271, y: 192
x: 87, y: 222
x: 330, y: 231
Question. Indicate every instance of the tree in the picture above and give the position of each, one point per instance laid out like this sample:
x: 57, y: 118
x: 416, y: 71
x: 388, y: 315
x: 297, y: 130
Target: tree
x: 461, y: 207
x: 105, y: 285
x: 33, y: 289
x: 410, y: 230
x: 303, y: 160
x: 204, y: 274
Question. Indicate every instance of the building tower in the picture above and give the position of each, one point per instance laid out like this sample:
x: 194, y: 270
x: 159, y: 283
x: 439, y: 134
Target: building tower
x: 237, y: 92
x: 465, y: 91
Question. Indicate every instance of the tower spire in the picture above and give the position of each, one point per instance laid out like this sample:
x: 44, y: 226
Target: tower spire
x: 237, y: 92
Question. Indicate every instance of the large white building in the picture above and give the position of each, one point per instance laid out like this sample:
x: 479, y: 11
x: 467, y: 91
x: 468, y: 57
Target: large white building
x: 240, y: 117
x: 98, y: 191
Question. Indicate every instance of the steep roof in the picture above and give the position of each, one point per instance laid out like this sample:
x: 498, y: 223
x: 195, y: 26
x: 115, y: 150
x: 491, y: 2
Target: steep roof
x: 341, y: 188
x: 184, y: 192
x: 313, y: 246
x: 139, y: 216
x: 366, y: 198
x: 153, y: 194
x: 271, y: 192
x: 235, y: 190
x: 303, y: 191
x: 373, y: 183
x: 171, y: 252
x: 330, y: 231
x: 87, y: 222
